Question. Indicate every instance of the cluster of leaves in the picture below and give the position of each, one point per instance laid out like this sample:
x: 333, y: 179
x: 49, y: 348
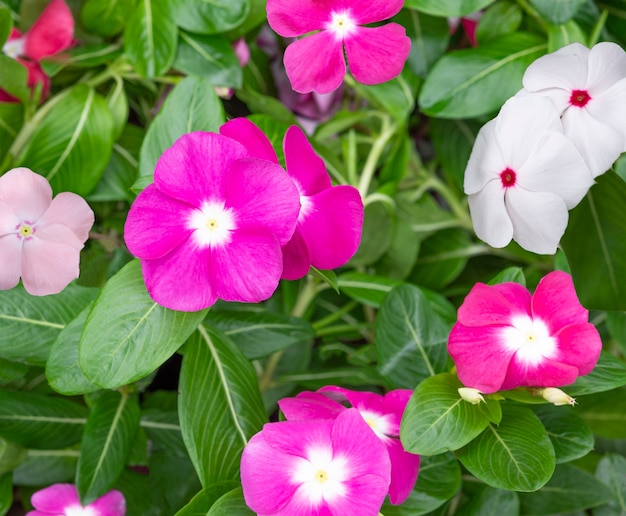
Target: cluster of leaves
x: 93, y: 388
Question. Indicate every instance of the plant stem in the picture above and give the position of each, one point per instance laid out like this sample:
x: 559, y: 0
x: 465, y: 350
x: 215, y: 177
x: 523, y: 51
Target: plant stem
x: 387, y: 131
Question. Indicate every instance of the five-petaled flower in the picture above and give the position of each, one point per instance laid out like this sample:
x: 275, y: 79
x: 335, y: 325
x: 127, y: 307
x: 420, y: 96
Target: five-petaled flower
x: 212, y: 224
x: 523, y: 176
x: 506, y: 338
x: 316, y: 467
x: 40, y: 237
x: 62, y: 500
x: 317, y: 63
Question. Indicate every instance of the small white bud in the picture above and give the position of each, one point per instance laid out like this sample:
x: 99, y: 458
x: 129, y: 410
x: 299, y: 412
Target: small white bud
x: 557, y: 397
x: 471, y: 395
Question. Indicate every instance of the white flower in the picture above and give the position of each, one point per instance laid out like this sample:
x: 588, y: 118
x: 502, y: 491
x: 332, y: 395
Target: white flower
x: 588, y: 88
x: 523, y: 175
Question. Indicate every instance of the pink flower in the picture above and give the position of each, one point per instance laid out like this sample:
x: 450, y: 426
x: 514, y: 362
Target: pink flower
x: 51, y: 33
x: 316, y: 63
x: 383, y: 415
x: 506, y: 338
x: 212, y: 224
x: 330, y: 220
x: 40, y: 237
x: 315, y: 468
x: 62, y: 500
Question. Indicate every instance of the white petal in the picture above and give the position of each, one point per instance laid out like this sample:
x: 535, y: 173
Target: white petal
x: 566, y: 69
x: 539, y: 219
x: 485, y: 162
x: 558, y: 96
x: 610, y: 107
x: 607, y: 65
x: 489, y: 215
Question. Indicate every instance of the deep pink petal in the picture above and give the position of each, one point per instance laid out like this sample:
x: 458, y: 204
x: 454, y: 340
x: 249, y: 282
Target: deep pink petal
x: 28, y: 193
x: 517, y: 295
x: 248, y: 268
x: 365, y: 495
x: 73, y: 211
x: 303, y: 164
x: 579, y: 345
x: 10, y: 260
x: 315, y: 63
x: 309, y: 405
x: 331, y: 223
x: 296, y: 257
x: 156, y: 224
x: 376, y: 55
x: 300, y: 503
x: 555, y: 302
x: 488, y: 305
x: 394, y: 403
x: 52, y: 32
x: 480, y: 356
x: 56, y: 498
x: 292, y: 18
x: 181, y: 280
x: 36, y: 75
x: 298, y: 437
x: 548, y: 373
x: 370, y: 12
x: 263, y: 196
x: 251, y: 137
x: 404, y: 471
x: 110, y: 504
x: 193, y: 170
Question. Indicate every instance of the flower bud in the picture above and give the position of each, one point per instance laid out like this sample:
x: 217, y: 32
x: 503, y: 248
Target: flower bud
x: 557, y: 396
x: 471, y: 395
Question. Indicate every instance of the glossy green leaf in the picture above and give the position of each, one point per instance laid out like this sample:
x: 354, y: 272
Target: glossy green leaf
x: 6, y: 493
x: 516, y: 454
x: 399, y: 259
x: 562, y: 35
x: 191, y: 106
x: 202, y: 502
x: 492, y: 502
x: 150, y: 38
x: 569, y: 434
x: 72, y: 143
x: 13, y: 76
x: 557, y: 11
x: 510, y: 274
x: 365, y: 288
x: 605, y: 413
x: 611, y: 471
x: 38, y: 421
x: 437, y: 419
x: 376, y: 235
x: 500, y: 18
x: 396, y: 97
x: 119, y: 176
x: 6, y: 23
x: 171, y: 492
x: 82, y: 56
x: 616, y: 324
x: 231, y: 503
x: 212, y: 17
x: 477, y: 81
x: 127, y: 335
x: 107, y: 440
x: 118, y: 104
x: 328, y: 277
x: 570, y: 489
x: 11, y: 371
x: 11, y: 115
x: 46, y: 467
x: 106, y: 17
x: 609, y: 373
x: 598, y: 261
x: 220, y: 405
x: 31, y: 324
x: 163, y: 429
x: 447, y: 7
x: 11, y: 455
x: 410, y: 338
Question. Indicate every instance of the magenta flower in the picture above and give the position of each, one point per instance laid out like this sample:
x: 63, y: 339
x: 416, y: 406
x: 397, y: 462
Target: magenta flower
x: 383, y: 415
x: 506, y: 338
x: 62, y: 500
x: 40, y: 237
x: 316, y: 62
x: 318, y: 467
x: 212, y: 224
x: 330, y: 221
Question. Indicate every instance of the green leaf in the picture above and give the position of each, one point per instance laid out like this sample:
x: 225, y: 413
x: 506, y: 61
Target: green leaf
x: 45, y: 467
x: 106, y: 18
x: 259, y: 334
x: 72, y: 143
x: 365, y: 288
x: 107, y: 440
x: 447, y: 7
x: 31, y: 324
x: 437, y: 419
x: 214, y: 17
x: 231, y: 503
x: 6, y: 23
x: 616, y: 324
x: 500, y: 18
x: 220, y: 405
x: 13, y: 78
x: 150, y: 38
x: 118, y: 104
x: 127, y: 335
x: 191, y: 106
x: 11, y: 455
x: 396, y: 97
x: 328, y: 277
x: 605, y: 413
x: 12, y: 371
x: 492, y: 502
x: 477, y: 81
x: 211, y: 57
x: 119, y: 176
x: 83, y: 56
x: 410, y: 338
x: 376, y: 235
x: 557, y: 11
x: 516, y: 454
x: 37, y: 421
x: 202, y: 502
x: 163, y: 429
x: 570, y: 489
x: 510, y: 274
x: 6, y: 493
x: 611, y: 471
x: 11, y: 115
x: 609, y: 373
x: 562, y: 35
x: 595, y: 245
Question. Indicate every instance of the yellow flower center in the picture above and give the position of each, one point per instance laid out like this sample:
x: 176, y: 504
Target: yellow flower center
x: 26, y: 230
x: 321, y: 476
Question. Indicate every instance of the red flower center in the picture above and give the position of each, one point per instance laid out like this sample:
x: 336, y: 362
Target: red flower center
x: 579, y: 98
x: 508, y: 177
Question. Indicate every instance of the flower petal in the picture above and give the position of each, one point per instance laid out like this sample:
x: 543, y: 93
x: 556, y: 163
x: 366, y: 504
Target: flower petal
x: 579, y: 345
x: 485, y: 162
x: 371, y: 12
x: 490, y: 217
x: 52, y: 32
x: 548, y: 373
x: 555, y: 302
x: 565, y: 69
x: 404, y: 471
x: 28, y: 193
x: 296, y: 257
x: 292, y: 18
x: 610, y: 107
x: 377, y: 54
x: 251, y: 137
x: 315, y: 63
x: 10, y: 261
x: 365, y: 495
x: 607, y: 65
x: 303, y: 164
x: 71, y: 210
x: 110, y: 504
x: 297, y: 437
x: 310, y: 405
x: 486, y: 305
x: 56, y: 498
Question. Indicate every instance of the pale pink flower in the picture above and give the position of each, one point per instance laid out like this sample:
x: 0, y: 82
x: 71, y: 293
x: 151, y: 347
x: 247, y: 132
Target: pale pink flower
x: 506, y: 338
x: 40, y: 237
x: 330, y: 220
x: 588, y: 88
x: 62, y: 500
x: 212, y: 224
x: 383, y: 414
x: 317, y: 63
x: 523, y: 176
x: 318, y: 467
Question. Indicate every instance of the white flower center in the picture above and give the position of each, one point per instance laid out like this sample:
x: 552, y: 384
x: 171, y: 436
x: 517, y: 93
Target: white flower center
x: 378, y: 422
x: 77, y: 510
x: 14, y: 48
x: 341, y: 23
x: 212, y: 224
x: 530, y: 339
x: 321, y: 476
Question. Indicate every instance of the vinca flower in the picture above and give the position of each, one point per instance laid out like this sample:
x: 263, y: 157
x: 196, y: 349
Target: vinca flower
x: 588, y: 87
x: 506, y: 338
x: 40, y: 237
x: 383, y: 415
x: 316, y: 62
x: 523, y: 176
x: 212, y: 224
x: 316, y: 467
x: 62, y: 500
